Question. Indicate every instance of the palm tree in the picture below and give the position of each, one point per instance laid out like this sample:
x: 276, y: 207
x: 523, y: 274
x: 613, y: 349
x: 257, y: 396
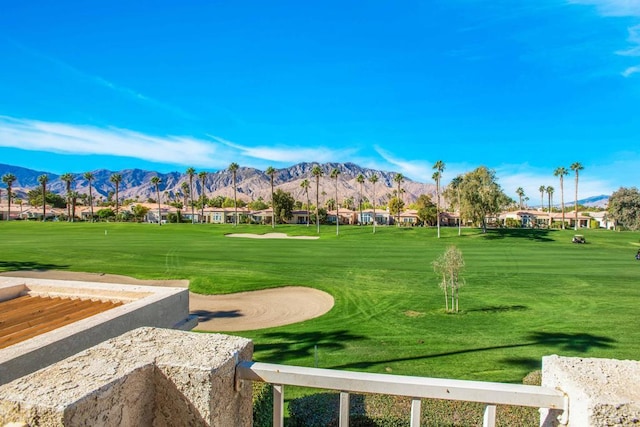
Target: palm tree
x: 317, y: 172
x: 305, y: 186
x: 67, y: 178
x: 190, y: 173
x: 360, y: 179
x: 73, y: 196
x: 89, y: 177
x: 399, y: 179
x: 185, y: 194
x: 156, y: 182
x: 233, y: 168
x: 203, y: 178
x: 334, y: 174
x: 271, y: 171
x: 9, y: 179
x: 455, y: 184
x: 542, y: 189
x: 561, y: 172
x: 116, y: 179
x: 373, y: 179
x: 550, y: 191
x: 520, y: 193
x: 439, y: 168
x: 43, y: 179
x: 576, y: 167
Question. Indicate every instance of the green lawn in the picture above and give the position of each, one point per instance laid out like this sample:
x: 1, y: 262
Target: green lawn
x: 528, y: 293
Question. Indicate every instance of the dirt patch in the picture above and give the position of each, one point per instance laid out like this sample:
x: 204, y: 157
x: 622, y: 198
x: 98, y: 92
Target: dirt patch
x: 271, y: 236
x: 242, y: 311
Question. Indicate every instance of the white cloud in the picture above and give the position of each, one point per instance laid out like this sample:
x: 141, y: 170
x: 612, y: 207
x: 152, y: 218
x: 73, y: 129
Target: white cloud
x: 122, y: 90
x: 631, y: 70
x: 620, y: 8
x: 63, y: 138
x: 76, y: 139
x: 288, y: 155
x: 613, y: 7
x: 413, y: 169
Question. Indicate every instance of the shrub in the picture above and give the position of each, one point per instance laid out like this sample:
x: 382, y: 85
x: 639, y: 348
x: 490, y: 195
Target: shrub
x: 262, y: 404
x: 513, y: 223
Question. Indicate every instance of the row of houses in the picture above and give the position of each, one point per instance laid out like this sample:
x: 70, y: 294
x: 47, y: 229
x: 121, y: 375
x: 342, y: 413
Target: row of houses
x: 409, y: 217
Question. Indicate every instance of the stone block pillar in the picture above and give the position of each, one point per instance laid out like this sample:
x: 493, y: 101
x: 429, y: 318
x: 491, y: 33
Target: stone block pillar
x: 146, y: 377
x: 601, y: 392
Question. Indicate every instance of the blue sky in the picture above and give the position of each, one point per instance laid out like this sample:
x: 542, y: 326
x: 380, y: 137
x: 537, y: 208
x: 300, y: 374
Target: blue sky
x: 519, y: 86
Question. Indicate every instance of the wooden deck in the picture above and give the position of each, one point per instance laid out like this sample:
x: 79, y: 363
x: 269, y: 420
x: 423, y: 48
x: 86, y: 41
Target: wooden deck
x: 28, y: 316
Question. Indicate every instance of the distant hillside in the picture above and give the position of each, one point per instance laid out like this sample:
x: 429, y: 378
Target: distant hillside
x: 251, y: 183
x: 600, y: 201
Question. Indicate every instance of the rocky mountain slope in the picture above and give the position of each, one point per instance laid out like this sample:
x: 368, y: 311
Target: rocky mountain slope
x: 251, y: 183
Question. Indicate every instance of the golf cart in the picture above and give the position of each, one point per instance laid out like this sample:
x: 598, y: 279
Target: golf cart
x: 578, y: 238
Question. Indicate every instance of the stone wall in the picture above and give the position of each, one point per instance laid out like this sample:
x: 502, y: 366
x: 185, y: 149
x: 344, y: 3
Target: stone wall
x: 146, y: 377
x: 162, y: 307
x: 601, y: 392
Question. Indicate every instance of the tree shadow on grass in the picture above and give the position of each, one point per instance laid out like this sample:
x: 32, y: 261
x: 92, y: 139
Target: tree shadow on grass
x: 205, y: 315
x: 534, y: 234
x: 578, y: 342
x: 499, y: 308
x: 29, y: 265
x: 287, y: 345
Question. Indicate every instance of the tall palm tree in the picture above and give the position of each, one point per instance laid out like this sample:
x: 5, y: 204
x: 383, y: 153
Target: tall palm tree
x: 116, y: 179
x: 156, y: 183
x: 43, y: 180
x: 233, y: 168
x: 439, y: 168
x: 398, y: 179
x: 542, y: 189
x: 576, y: 167
x: 317, y: 172
x: 455, y: 184
x: 373, y: 179
x: 185, y: 194
x: 190, y: 173
x: 334, y: 174
x: 550, y: 191
x: 203, y: 178
x: 67, y: 178
x: 520, y: 193
x: 360, y: 179
x: 73, y: 196
x: 305, y: 186
x: 9, y: 179
x: 88, y: 176
x: 271, y: 171
x: 561, y: 172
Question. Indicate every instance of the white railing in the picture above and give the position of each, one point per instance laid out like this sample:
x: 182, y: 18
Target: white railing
x: 415, y: 387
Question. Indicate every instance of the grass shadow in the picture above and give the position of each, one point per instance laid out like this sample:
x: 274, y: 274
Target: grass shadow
x: 29, y: 265
x: 290, y: 345
x: 578, y: 342
x: 499, y: 309
x: 534, y: 234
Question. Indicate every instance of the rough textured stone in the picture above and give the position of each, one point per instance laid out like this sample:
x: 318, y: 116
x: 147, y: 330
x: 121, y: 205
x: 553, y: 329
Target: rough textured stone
x: 602, y: 392
x: 153, y: 377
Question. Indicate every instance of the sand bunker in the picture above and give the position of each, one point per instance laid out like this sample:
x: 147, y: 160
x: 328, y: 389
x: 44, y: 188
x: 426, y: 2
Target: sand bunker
x: 242, y: 311
x: 270, y: 236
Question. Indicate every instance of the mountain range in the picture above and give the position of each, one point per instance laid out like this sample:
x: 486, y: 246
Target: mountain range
x: 251, y: 183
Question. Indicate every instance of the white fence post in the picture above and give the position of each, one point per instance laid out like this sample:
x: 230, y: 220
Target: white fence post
x: 278, y: 405
x: 415, y: 412
x: 489, y: 419
x: 344, y: 409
